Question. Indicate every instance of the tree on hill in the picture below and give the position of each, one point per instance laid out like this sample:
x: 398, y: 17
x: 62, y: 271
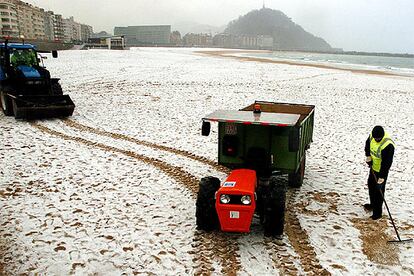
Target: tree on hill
x: 287, y: 35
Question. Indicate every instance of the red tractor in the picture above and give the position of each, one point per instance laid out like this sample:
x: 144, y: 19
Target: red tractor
x: 259, y: 142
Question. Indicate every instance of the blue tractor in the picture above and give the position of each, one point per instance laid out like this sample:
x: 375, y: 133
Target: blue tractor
x: 26, y: 89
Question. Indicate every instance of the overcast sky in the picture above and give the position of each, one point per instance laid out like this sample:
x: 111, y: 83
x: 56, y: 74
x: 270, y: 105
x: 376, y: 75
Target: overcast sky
x: 362, y: 25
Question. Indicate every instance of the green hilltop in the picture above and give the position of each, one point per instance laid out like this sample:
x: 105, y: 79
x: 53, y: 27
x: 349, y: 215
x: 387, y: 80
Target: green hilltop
x: 287, y: 35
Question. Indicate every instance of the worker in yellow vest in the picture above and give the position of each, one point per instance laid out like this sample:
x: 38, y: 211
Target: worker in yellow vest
x: 379, y: 152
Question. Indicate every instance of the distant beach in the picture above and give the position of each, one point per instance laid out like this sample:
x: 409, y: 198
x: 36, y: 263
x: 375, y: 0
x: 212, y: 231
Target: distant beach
x: 301, y: 60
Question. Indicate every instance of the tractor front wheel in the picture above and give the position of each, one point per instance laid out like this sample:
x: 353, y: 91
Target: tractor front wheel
x: 6, y: 104
x: 206, y: 215
x: 274, y: 209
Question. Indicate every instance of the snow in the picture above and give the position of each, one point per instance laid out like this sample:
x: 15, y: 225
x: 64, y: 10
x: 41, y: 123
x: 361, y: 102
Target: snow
x: 82, y: 203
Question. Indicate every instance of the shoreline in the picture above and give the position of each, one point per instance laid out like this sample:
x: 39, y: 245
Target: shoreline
x: 227, y: 54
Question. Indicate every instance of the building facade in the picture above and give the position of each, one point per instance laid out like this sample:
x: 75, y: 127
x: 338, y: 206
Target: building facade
x: 30, y: 21
x: 265, y: 42
x: 107, y: 42
x: 49, y: 27
x: 86, y: 32
x: 145, y: 35
x: 58, y: 27
x: 9, y: 23
x: 22, y: 20
x: 72, y: 30
x: 198, y: 40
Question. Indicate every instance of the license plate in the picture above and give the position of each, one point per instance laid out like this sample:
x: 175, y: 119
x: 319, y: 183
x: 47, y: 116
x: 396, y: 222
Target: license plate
x: 230, y: 129
x: 234, y: 214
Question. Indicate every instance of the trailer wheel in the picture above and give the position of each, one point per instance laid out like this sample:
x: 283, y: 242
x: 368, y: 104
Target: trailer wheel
x: 275, y: 204
x: 295, y: 180
x: 6, y: 104
x: 57, y: 89
x: 206, y: 215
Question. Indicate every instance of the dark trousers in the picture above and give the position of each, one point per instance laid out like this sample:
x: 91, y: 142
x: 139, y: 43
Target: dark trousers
x: 375, y: 197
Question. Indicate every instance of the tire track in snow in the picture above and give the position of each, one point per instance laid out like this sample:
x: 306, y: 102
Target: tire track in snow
x: 119, y: 136
x: 300, y: 239
x: 296, y: 234
x: 204, y: 251
x: 281, y: 258
x: 216, y: 245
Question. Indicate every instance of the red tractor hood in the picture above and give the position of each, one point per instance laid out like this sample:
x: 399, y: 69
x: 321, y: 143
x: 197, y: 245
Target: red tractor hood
x: 236, y: 216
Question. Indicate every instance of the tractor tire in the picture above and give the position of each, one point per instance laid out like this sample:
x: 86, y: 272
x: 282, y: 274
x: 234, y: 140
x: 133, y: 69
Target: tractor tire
x: 57, y: 89
x: 274, y: 209
x: 6, y: 104
x: 206, y: 214
x: 262, y: 192
x: 295, y: 180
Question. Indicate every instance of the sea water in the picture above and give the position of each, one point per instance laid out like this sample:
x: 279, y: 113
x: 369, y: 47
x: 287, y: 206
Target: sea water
x: 397, y: 65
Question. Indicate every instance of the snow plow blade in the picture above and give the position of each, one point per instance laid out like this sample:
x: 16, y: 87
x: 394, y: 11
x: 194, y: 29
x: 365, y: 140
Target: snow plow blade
x: 42, y: 106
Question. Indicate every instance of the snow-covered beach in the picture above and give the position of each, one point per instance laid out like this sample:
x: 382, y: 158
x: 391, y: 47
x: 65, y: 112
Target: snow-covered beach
x: 112, y: 189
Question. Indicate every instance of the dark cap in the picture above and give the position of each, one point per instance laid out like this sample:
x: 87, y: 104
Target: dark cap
x: 378, y: 132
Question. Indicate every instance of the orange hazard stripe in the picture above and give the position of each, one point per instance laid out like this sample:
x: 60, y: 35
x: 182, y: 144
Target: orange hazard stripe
x: 248, y: 123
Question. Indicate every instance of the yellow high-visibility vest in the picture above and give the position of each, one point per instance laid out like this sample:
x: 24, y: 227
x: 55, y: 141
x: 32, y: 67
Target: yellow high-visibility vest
x: 376, y: 148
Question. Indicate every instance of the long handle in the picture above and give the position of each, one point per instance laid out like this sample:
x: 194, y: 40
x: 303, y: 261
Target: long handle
x: 386, y: 205
x: 389, y: 213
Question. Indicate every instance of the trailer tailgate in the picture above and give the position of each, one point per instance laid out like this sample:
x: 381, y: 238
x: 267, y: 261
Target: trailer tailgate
x: 248, y: 117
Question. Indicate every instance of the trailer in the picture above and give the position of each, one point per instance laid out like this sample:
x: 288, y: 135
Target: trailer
x: 258, y: 142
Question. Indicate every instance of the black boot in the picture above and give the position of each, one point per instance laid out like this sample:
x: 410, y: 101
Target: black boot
x: 375, y: 217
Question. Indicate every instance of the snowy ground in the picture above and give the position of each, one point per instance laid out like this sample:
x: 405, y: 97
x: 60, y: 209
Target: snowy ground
x: 99, y: 194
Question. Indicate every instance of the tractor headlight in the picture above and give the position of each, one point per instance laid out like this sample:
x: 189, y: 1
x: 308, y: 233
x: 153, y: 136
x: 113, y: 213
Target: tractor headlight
x: 224, y: 199
x: 30, y: 82
x: 246, y: 200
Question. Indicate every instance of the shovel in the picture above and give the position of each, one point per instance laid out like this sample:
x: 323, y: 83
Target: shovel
x: 389, y: 213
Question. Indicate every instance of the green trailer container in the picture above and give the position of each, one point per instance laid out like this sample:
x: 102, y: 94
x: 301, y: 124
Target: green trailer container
x: 265, y: 136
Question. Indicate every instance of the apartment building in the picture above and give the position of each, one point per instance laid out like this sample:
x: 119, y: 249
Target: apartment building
x: 31, y: 21
x: 72, y: 30
x: 49, y: 29
x: 58, y: 27
x: 9, y: 25
x: 22, y: 20
x: 86, y: 32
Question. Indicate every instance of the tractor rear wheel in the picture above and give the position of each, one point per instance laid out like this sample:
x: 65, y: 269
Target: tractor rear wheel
x: 6, y: 104
x: 57, y: 89
x: 274, y: 209
x: 206, y: 215
x: 295, y: 180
